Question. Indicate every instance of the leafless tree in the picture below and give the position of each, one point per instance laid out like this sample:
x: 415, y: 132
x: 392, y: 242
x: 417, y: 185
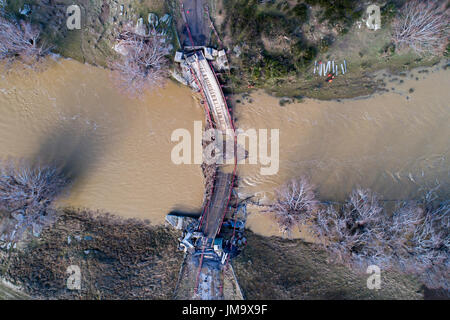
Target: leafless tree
x: 351, y: 233
x: 143, y: 64
x: 421, y: 238
x: 413, y: 238
x: 294, y: 202
x: 20, y: 40
x: 422, y: 26
x: 26, y: 193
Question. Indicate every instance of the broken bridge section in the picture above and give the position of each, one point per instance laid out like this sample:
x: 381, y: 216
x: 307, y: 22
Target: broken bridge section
x: 206, y: 273
x: 215, y: 212
x: 211, y: 89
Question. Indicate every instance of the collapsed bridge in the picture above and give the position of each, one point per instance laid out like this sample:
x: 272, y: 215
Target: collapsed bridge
x: 206, y: 273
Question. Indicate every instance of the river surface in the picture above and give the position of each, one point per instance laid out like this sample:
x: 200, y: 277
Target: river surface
x: 396, y: 143
x: 116, y: 149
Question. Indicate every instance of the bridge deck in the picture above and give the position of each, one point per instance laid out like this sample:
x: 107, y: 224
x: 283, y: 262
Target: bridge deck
x: 211, y: 88
x: 217, y: 206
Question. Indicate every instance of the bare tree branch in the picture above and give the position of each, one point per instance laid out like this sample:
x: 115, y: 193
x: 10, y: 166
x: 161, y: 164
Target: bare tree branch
x: 422, y: 26
x: 26, y: 193
x: 294, y: 202
x: 421, y: 238
x: 143, y: 64
x: 415, y: 238
x: 20, y: 40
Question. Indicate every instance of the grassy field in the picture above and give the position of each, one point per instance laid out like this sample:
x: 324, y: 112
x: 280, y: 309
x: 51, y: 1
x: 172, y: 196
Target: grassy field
x: 364, y: 52
x: 118, y: 259
x: 278, y: 43
x: 100, y: 22
x: 275, y: 268
x: 129, y: 260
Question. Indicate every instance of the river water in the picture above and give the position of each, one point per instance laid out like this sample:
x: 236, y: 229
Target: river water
x: 396, y: 143
x: 118, y: 149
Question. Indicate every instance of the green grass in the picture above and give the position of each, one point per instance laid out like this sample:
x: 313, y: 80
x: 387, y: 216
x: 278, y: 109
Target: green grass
x: 93, y: 43
x: 288, y: 70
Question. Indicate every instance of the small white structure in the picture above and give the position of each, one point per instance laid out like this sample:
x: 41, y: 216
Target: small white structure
x: 26, y: 10
x: 186, y: 244
x: 166, y: 19
x: 237, y: 51
x: 224, y: 258
x: 210, y: 53
x: 218, y: 246
x: 373, y: 21
x: 222, y: 60
x: 323, y: 69
x: 140, y: 28
x: 179, y: 57
x: 175, y: 221
x: 153, y: 20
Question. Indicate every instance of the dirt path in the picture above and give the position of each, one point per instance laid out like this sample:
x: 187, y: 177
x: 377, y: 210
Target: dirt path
x: 197, y: 21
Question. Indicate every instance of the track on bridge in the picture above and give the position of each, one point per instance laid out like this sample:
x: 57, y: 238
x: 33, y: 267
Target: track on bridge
x: 218, y: 204
x: 215, y: 210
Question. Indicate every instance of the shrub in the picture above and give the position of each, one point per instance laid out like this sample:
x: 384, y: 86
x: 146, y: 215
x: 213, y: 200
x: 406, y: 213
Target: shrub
x: 20, y: 40
x: 26, y: 193
x: 422, y: 26
x: 143, y: 64
x: 414, y: 238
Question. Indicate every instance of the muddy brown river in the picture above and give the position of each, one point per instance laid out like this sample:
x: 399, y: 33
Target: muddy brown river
x: 118, y: 149
x: 395, y: 143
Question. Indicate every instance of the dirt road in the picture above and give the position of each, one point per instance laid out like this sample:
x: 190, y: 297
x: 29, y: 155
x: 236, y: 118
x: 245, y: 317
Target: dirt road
x: 197, y: 20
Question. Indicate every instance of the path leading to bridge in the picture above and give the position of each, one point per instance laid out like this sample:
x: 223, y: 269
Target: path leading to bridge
x: 210, y: 86
x: 210, y: 266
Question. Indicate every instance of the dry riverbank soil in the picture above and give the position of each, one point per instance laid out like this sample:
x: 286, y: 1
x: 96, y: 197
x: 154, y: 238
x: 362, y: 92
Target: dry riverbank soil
x: 275, y: 268
x: 118, y: 259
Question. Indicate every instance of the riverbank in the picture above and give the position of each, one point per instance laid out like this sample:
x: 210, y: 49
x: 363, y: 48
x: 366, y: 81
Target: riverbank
x: 281, y: 269
x: 280, y: 57
x: 127, y: 259
x: 265, y: 61
x: 101, y: 21
x: 117, y: 258
x: 395, y: 143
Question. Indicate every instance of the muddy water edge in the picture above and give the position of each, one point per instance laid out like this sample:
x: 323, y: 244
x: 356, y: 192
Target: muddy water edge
x: 117, y: 150
x: 395, y: 142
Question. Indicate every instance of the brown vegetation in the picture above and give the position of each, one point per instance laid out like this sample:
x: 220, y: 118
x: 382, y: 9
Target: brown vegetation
x: 414, y: 238
x: 295, y: 199
x: 26, y: 193
x: 422, y: 26
x: 20, y: 40
x: 287, y: 269
x: 118, y: 259
x: 143, y: 64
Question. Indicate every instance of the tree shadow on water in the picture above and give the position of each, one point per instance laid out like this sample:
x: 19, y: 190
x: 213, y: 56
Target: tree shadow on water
x: 72, y: 151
